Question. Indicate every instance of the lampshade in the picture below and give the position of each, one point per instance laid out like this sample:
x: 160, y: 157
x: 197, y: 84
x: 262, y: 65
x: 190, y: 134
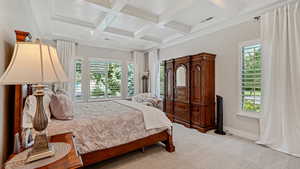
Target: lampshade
x: 33, y: 63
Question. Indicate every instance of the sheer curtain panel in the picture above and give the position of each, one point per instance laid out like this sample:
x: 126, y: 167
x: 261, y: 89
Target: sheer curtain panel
x: 280, y: 122
x: 66, y: 50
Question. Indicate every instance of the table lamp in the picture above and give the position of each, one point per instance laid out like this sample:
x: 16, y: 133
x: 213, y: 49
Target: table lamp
x: 38, y: 64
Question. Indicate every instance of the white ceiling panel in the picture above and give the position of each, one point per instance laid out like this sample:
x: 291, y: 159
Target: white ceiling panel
x: 129, y: 23
x: 79, y: 9
x: 139, y: 24
x: 198, y: 12
x: 156, y: 7
x: 160, y: 32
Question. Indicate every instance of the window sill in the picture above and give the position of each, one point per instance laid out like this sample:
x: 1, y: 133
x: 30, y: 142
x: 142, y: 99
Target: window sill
x: 252, y: 115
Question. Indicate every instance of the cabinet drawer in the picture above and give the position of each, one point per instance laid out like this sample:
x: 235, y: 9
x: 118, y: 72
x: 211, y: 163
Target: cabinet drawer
x: 169, y: 107
x: 203, y: 115
x: 181, y: 111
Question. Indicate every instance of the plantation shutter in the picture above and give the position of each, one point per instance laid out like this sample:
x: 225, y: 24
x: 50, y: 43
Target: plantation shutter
x: 130, y: 81
x: 251, y: 75
x: 98, y: 79
x: 114, y: 78
x: 78, y: 92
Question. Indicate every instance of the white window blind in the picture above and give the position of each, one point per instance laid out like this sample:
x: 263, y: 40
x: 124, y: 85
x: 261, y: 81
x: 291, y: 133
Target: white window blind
x: 114, y: 78
x: 130, y: 82
x: 105, y: 79
x: 78, y: 93
x: 251, y: 75
x: 98, y: 79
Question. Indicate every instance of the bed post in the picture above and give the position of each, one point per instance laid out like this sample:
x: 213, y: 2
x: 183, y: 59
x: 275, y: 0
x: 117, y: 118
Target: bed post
x: 169, y: 142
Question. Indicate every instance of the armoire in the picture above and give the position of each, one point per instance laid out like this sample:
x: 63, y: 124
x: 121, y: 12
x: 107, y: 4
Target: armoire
x: 189, y: 97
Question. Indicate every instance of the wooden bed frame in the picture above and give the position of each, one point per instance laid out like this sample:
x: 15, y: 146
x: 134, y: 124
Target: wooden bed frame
x: 22, y: 91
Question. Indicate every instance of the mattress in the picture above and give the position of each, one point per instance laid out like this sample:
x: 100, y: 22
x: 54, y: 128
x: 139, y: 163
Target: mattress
x: 102, y: 125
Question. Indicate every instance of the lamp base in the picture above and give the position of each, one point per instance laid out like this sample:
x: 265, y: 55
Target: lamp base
x: 37, y: 155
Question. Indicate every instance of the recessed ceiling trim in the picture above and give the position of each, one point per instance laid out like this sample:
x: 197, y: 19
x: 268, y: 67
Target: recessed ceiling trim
x: 223, y: 24
x: 133, y: 11
x: 88, y: 43
x: 119, y: 32
x: 104, y: 3
x: 74, y: 21
x: 150, y: 38
x: 181, y: 28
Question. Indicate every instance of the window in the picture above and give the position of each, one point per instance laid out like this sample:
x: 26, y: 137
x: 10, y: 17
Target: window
x: 130, y: 83
x: 105, y: 79
x: 162, y: 79
x: 78, y: 80
x: 251, y: 76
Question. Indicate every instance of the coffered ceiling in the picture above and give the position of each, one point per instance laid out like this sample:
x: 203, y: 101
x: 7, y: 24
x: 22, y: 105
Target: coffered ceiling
x: 139, y: 24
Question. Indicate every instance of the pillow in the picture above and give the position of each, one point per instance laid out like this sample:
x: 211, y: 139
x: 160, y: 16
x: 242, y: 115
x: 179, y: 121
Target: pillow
x: 61, y: 106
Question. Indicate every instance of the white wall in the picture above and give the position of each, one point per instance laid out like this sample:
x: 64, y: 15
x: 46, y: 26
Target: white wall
x: 14, y: 14
x: 88, y: 51
x: 225, y: 44
x: 123, y: 57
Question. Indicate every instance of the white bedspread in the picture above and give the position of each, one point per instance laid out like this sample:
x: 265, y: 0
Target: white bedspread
x: 153, y: 117
x: 101, y: 125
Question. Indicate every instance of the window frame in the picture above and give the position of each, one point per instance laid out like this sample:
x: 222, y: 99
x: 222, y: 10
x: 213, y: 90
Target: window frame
x: 241, y: 112
x: 105, y: 98
x: 73, y: 74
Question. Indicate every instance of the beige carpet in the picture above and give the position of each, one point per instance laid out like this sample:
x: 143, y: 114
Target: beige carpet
x: 195, y: 150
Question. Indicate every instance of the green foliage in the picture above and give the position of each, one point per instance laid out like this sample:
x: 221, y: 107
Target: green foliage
x: 107, y: 81
x: 130, y: 80
x: 251, y: 78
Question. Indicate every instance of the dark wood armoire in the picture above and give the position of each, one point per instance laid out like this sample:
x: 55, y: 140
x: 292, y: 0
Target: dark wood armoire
x: 190, y: 91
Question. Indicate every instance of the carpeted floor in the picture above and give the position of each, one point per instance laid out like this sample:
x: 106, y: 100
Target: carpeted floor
x: 195, y: 150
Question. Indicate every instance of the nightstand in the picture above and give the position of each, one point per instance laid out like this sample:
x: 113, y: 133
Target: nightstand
x: 71, y: 161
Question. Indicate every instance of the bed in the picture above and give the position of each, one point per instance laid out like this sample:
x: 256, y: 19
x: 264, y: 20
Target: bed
x: 102, y: 130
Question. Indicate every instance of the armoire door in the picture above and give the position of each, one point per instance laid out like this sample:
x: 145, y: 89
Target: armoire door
x: 169, y: 91
x: 202, y: 92
x: 182, y: 91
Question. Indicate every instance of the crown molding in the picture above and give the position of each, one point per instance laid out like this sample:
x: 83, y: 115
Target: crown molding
x: 223, y: 24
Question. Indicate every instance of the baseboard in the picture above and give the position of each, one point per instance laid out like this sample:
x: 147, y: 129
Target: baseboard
x: 241, y: 133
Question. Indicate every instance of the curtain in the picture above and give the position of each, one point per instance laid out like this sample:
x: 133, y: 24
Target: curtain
x: 66, y: 50
x: 153, y: 57
x: 280, y: 122
x: 139, y: 69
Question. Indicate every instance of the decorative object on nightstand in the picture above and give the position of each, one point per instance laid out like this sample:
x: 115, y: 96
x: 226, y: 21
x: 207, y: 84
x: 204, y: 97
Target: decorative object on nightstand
x: 66, y: 156
x: 35, y: 63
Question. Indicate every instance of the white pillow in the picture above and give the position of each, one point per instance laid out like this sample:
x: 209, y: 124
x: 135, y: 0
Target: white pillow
x: 61, y: 106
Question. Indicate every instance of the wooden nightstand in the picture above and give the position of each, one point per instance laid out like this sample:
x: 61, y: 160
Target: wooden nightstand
x: 71, y: 161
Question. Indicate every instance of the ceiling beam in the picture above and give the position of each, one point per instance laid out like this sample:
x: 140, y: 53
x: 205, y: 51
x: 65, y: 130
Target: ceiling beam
x: 116, y: 7
x: 122, y: 7
x: 141, y: 32
x: 169, y: 15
